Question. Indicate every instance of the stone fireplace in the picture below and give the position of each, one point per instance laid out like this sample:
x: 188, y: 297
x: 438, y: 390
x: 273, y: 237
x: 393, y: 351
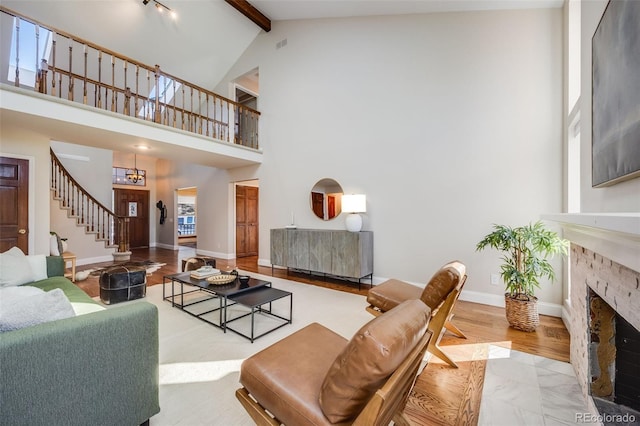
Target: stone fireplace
x: 603, y: 312
x: 611, y: 375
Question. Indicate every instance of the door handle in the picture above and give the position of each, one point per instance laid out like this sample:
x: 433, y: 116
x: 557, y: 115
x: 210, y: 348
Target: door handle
x: 22, y: 231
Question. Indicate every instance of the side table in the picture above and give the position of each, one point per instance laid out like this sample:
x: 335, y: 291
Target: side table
x: 67, y: 256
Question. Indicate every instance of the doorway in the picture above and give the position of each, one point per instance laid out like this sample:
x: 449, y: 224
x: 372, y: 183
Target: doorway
x: 244, y: 90
x: 134, y: 204
x: 187, y: 214
x: 247, y: 226
x: 14, y: 204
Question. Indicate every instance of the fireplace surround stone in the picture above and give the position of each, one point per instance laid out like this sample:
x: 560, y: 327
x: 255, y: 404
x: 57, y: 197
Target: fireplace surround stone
x: 600, y: 289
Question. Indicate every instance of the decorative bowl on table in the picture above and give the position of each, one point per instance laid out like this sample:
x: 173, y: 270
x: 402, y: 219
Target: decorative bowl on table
x: 244, y: 279
x: 221, y: 279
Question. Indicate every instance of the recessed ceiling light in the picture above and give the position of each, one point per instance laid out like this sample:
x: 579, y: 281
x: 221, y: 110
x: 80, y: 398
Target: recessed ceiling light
x: 142, y: 147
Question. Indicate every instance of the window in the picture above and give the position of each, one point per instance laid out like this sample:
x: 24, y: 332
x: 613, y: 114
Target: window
x: 164, y: 91
x: 119, y: 176
x: 28, y: 59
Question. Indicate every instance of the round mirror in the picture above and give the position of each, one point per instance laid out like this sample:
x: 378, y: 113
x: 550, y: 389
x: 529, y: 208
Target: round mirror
x: 326, y: 199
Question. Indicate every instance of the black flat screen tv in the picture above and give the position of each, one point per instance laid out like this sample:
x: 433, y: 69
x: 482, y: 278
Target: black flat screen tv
x: 615, y: 94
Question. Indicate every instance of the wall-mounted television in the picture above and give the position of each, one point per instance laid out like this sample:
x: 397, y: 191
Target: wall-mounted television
x: 615, y: 94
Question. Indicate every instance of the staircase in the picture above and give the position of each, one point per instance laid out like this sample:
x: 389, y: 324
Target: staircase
x: 88, y: 212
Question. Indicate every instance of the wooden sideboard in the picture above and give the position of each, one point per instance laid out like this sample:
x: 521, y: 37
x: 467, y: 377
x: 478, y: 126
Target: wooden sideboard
x: 342, y: 254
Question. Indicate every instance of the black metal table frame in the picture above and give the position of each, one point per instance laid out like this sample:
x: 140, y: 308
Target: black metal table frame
x: 223, y: 304
x: 257, y: 307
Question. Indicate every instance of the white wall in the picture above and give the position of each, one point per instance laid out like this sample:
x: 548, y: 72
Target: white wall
x: 622, y: 197
x: 213, y: 205
x: 447, y: 122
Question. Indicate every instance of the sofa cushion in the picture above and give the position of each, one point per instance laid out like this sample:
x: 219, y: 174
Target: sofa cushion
x: 55, y: 266
x: 26, y: 306
x: 38, y: 265
x: 391, y: 293
x: 370, y: 357
x: 14, y: 268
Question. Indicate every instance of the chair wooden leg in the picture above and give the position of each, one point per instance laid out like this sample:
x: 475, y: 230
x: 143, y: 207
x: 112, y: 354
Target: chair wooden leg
x: 453, y: 329
x: 435, y: 350
x: 255, y: 410
x: 401, y: 419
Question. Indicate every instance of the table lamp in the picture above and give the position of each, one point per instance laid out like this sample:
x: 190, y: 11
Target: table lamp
x: 354, y: 204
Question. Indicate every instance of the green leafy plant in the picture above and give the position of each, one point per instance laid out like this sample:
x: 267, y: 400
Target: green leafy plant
x: 527, y: 250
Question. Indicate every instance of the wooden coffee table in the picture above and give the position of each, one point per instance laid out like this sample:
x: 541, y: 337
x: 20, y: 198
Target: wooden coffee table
x: 254, y: 295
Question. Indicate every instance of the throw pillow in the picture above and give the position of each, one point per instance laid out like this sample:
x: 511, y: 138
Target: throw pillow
x: 38, y: 264
x: 25, y: 311
x: 14, y: 268
x: 370, y: 357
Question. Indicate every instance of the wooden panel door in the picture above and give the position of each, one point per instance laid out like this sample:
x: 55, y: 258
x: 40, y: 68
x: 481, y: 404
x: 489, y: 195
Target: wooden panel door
x: 135, y: 205
x: 14, y: 204
x: 247, y: 198
x: 317, y: 204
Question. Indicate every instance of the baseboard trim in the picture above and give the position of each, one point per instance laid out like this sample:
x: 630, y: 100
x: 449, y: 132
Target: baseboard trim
x: 544, y: 308
x: 225, y: 256
x: 98, y: 259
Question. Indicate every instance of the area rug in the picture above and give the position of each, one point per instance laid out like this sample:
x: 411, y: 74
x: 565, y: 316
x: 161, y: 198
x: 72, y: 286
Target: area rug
x: 199, y: 364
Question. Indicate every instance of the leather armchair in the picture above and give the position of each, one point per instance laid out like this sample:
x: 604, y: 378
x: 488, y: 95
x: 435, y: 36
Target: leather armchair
x: 440, y: 294
x: 316, y: 377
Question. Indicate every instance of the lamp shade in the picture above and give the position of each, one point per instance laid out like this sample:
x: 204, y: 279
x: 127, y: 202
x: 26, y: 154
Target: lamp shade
x: 354, y: 203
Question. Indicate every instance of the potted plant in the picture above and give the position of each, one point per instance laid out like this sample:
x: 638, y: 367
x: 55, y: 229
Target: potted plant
x: 527, y: 251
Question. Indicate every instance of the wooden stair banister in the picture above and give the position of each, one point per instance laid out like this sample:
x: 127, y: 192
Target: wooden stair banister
x: 101, y: 78
x: 88, y: 212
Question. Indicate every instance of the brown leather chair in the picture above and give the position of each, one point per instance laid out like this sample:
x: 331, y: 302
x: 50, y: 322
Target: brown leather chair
x: 317, y: 377
x: 440, y: 294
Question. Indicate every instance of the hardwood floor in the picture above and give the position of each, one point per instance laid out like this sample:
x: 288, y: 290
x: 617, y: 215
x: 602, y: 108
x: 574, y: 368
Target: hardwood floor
x: 442, y: 395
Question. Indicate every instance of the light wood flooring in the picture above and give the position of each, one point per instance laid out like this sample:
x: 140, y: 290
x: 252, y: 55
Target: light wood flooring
x: 442, y: 395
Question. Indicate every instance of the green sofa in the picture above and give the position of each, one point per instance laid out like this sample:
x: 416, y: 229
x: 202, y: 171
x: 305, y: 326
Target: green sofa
x: 99, y: 368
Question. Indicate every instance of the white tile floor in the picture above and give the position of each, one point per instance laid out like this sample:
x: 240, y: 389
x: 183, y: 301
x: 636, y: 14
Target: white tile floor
x: 524, y: 389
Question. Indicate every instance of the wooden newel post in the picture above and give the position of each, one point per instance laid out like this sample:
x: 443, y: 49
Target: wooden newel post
x: 123, y: 240
x: 42, y: 77
x: 157, y: 116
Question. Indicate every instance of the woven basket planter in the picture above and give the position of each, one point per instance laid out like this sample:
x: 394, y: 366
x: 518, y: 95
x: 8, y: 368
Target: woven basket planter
x: 522, y: 314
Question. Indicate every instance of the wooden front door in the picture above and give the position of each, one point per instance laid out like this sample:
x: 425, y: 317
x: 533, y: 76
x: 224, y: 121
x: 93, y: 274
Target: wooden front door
x: 317, y: 204
x: 135, y: 205
x: 14, y: 204
x: 246, y: 221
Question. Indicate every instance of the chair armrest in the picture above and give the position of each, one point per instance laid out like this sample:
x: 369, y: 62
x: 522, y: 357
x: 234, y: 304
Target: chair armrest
x: 99, y: 368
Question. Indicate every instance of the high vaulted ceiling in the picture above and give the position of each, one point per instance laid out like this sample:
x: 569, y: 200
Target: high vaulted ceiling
x: 208, y: 36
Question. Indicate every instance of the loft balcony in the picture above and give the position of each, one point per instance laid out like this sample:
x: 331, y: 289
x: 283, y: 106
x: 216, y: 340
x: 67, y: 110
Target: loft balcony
x: 75, y: 91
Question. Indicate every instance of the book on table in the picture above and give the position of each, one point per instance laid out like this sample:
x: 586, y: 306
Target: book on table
x: 204, y: 272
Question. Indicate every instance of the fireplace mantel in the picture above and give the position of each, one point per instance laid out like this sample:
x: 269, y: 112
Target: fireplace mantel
x: 614, y: 235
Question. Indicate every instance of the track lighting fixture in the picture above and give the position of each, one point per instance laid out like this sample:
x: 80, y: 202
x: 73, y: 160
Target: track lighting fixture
x: 160, y: 7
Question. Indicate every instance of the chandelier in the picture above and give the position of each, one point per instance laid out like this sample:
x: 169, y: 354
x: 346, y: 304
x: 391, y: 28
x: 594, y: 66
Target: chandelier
x: 134, y: 175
